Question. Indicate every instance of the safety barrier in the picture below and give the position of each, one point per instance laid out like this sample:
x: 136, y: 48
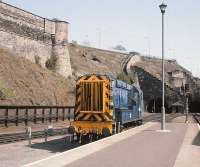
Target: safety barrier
x: 35, y: 114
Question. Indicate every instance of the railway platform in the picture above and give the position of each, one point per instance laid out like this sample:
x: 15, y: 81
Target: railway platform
x: 142, y: 146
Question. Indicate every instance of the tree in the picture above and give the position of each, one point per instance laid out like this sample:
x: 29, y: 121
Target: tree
x: 119, y: 47
x: 126, y: 78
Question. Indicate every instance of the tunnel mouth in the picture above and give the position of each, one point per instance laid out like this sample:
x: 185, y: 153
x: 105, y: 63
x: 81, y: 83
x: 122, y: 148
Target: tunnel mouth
x: 155, y: 106
x: 194, y: 106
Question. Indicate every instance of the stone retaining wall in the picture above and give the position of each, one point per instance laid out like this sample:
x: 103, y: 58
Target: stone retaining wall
x: 33, y: 37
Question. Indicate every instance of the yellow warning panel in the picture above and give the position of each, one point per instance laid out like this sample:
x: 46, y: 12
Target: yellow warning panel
x: 93, y: 99
x: 88, y: 126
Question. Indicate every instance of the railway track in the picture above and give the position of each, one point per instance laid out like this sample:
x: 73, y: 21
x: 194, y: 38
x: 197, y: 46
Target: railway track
x: 15, y: 137
x: 196, y: 116
x: 157, y: 117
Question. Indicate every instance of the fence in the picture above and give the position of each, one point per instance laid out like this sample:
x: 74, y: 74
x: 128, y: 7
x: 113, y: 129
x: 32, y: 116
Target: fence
x: 35, y: 114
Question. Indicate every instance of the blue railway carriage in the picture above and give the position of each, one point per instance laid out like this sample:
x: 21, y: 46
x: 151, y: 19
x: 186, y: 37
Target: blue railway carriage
x: 127, y: 103
x: 102, y: 102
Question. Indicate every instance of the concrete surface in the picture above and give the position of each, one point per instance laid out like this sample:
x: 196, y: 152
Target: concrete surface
x: 18, y: 154
x: 132, y: 145
x: 89, y: 149
x: 146, y: 149
x: 189, y: 155
x: 142, y: 147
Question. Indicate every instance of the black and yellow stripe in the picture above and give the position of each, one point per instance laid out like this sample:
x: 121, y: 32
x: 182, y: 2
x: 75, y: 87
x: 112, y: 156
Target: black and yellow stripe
x: 93, y: 99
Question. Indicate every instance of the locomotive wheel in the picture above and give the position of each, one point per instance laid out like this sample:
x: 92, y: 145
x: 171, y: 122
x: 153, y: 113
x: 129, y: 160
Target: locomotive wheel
x: 93, y: 137
x: 105, y: 132
x: 84, y: 139
x: 141, y: 122
x: 78, y: 135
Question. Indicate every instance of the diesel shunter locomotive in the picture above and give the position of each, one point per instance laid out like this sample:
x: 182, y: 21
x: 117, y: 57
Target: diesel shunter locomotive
x: 102, y: 102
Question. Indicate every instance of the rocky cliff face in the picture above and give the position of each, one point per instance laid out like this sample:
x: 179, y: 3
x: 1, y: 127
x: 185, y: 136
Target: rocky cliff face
x: 91, y: 60
x: 26, y: 83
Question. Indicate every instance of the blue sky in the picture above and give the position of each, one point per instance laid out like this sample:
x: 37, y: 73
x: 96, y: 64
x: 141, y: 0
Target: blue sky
x: 136, y: 24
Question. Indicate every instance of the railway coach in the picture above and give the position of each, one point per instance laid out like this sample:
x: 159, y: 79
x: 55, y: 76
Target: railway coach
x: 102, y: 102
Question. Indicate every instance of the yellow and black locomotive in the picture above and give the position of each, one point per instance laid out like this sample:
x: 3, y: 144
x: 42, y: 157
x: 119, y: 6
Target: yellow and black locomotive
x: 102, y: 101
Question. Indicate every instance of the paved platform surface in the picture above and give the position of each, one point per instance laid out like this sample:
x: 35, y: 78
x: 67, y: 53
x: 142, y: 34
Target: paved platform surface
x: 19, y: 154
x: 81, y: 152
x: 189, y: 155
x: 146, y: 149
x: 142, y: 147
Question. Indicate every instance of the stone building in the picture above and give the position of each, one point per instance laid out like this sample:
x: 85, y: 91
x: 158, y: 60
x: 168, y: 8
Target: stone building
x: 177, y: 79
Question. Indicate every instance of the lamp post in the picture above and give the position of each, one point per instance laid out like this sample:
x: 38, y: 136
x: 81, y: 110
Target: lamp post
x: 187, y: 94
x: 162, y: 9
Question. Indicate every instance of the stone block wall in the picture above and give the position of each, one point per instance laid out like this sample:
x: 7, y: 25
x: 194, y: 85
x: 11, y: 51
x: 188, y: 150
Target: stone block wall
x: 35, y: 38
x: 33, y: 50
x: 25, y: 18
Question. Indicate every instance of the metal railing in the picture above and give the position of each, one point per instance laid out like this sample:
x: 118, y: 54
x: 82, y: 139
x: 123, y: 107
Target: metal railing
x: 34, y: 114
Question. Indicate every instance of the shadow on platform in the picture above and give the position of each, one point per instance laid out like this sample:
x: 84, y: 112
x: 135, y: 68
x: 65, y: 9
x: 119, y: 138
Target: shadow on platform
x: 196, y: 140
x: 58, y: 145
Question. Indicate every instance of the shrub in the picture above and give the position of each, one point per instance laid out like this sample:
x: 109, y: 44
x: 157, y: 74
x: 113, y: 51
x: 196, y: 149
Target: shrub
x: 126, y: 78
x: 51, y: 63
x: 5, y: 93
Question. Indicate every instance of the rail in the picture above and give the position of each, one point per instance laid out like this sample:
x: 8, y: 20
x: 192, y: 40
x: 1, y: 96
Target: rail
x: 15, y: 137
x: 35, y: 114
x: 197, y: 117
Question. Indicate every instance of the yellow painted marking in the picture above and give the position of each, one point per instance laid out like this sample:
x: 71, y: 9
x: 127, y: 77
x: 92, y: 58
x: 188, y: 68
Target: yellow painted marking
x: 79, y: 116
x: 97, y: 117
x: 94, y: 112
x: 86, y: 117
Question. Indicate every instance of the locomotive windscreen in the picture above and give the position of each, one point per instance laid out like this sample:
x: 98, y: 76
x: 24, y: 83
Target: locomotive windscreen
x: 91, y: 96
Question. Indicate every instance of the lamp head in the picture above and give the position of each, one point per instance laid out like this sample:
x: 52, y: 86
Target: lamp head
x: 162, y: 7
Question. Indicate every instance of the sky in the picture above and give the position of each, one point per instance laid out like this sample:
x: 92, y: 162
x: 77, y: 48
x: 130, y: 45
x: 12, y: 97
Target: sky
x: 135, y: 24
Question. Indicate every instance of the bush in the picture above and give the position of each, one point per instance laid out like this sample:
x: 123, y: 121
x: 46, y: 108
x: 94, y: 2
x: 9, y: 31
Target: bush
x: 51, y: 63
x: 5, y: 93
x: 126, y: 78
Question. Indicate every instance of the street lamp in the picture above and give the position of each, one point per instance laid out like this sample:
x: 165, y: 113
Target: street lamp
x: 162, y: 9
x: 186, y: 94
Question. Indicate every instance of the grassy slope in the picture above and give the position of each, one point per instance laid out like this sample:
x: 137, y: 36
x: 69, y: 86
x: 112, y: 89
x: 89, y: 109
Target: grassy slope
x: 25, y: 83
